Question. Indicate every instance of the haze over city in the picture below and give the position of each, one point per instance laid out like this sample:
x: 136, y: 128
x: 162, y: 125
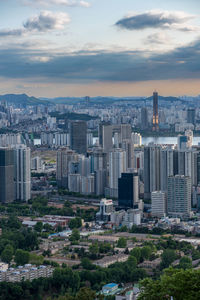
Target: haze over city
x: 108, y: 47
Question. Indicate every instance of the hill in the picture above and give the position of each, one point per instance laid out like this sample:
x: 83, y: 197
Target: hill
x: 21, y: 99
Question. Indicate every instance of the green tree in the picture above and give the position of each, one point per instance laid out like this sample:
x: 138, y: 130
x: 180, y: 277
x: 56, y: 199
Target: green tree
x: 136, y: 252
x: 47, y: 227
x: 85, y: 294
x: 105, y: 247
x: 7, y: 254
x: 132, y: 261
x: 185, y: 263
x: 75, y: 223
x: 75, y: 236
x: 168, y: 257
x: 38, y: 226
x: 124, y: 229
x: 66, y: 278
x: 13, y: 222
x: 178, y: 284
x: 94, y: 249
x: 65, y: 297
x: 86, y: 264
x: 21, y: 257
x: 67, y: 204
x: 146, y: 252
x: 36, y: 259
x: 122, y: 242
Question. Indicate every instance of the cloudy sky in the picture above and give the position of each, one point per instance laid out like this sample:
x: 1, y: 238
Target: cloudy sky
x: 100, y: 47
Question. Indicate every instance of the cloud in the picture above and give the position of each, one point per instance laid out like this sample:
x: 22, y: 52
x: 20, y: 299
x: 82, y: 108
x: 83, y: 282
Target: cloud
x: 11, y: 32
x: 157, y: 19
x: 101, y: 66
x: 45, y: 21
x: 160, y: 38
x: 84, y: 4
x: 70, y: 3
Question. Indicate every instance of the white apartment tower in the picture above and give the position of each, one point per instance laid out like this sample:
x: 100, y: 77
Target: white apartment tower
x: 158, y: 204
x: 117, y: 166
x: 179, y: 195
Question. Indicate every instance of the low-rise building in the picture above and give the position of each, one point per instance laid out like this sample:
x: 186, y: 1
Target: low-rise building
x: 109, y: 260
x: 148, y: 264
x: 104, y: 238
x: 27, y: 272
x: 54, y: 247
x: 126, y: 218
x: 131, y: 294
x: 106, y: 208
x: 52, y: 220
x: 109, y: 289
x: 3, y: 266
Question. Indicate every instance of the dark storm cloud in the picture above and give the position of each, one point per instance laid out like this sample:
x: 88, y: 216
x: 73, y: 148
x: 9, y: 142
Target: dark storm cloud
x: 157, y: 19
x: 182, y: 63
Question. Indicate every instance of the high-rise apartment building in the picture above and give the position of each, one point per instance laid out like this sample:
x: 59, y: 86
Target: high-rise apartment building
x: 117, y: 166
x: 185, y: 141
x: 100, y: 181
x: 198, y: 168
x: 105, y: 137
x: 128, y: 194
x: 144, y: 118
x: 22, y: 163
x: 78, y: 136
x: 99, y: 159
x: 158, y: 204
x: 151, y: 170
x: 7, y: 187
x: 136, y: 138
x: 128, y: 146
x: 125, y: 132
x: 64, y: 156
x: 179, y: 195
x: 166, y: 167
x: 155, y: 112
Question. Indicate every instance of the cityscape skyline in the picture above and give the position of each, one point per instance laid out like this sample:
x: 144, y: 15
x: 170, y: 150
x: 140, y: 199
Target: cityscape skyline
x: 105, y: 172
x: 49, y: 48
x: 99, y: 149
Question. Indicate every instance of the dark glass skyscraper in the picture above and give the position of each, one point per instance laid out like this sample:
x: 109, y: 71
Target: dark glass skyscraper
x: 7, y: 189
x: 155, y: 112
x: 78, y: 136
x: 191, y: 116
x: 144, y: 118
x: 128, y: 190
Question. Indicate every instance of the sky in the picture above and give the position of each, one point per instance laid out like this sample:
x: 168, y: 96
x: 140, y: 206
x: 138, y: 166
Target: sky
x: 53, y: 48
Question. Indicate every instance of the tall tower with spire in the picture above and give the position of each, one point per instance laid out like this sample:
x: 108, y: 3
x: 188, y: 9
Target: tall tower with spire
x: 155, y: 112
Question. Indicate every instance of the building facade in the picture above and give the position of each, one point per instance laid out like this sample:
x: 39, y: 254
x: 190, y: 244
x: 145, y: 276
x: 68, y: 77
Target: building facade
x: 179, y: 195
x: 7, y: 187
x: 78, y: 136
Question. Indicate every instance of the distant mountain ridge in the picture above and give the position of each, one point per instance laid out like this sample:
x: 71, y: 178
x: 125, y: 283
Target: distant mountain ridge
x: 104, y: 100
x: 24, y: 100
x: 167, y: 98
x: 21, y: 99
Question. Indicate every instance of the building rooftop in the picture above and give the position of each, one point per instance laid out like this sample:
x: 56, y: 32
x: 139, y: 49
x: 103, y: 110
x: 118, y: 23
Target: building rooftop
x: 110, y: 285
